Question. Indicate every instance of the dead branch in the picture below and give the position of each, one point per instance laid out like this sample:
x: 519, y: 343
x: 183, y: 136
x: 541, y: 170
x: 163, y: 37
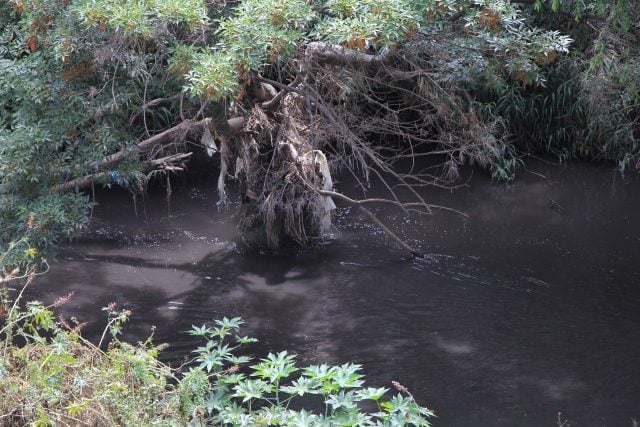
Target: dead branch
x: 344, y: 57
x: 373, y: 218
x: 273, y: 103
x: 279, y: 155
x: 228, y: 127
x: 340, y: 56
x: 147, y: 105
x: 173, y: 163
x: 405, y: 206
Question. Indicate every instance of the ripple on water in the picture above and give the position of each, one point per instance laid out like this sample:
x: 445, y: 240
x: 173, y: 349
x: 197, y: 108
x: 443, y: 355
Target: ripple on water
x: 513, y: 315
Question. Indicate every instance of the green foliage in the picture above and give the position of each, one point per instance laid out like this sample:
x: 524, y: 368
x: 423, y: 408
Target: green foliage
x: 49, y: 375
x: 620, y: 12
x: 376, y: 24
x: 584, y: 105
x: 36, y: 110
x: 76, y: 79
x: 264, y: 393
x: 56, y: 376
x: 610, y: 97
x: 58, y: 114
x: 141, y: 17
x: 257, y: 32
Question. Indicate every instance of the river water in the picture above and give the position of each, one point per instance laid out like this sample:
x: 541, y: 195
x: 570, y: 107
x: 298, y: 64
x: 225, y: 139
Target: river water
x: 529, y: 307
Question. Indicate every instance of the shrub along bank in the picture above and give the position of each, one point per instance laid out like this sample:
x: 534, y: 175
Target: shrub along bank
x: 280, y: 93
x: 50, y: 375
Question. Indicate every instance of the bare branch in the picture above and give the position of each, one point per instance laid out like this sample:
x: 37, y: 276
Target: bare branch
x: 228, y: 128
x: 404, y: 206
x: 171, y: 163
x: 341, y: 56
x: 374, y: 219
x: 147, y: 105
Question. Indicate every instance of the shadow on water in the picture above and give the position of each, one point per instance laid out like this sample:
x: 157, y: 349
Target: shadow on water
x: 526, y: 309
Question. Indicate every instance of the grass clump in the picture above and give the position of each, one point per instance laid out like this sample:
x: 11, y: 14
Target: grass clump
x: 50, y: 375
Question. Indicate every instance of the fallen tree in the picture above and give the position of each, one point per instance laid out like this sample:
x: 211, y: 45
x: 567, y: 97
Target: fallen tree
x: 284, y: 93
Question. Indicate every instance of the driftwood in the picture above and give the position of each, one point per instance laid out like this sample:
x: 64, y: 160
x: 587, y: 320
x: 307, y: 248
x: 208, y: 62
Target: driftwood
x: 283, y: 188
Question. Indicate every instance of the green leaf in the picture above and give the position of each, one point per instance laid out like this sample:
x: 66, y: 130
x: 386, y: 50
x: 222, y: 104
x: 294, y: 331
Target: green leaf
x: 201, y: 331
x: 238, y: 360
x: 302, y: 386
x: 276, y: 366
x: 245, y: 340
x: 210, y: 361
x: 371, y: 393
x: 346, y: 376
x: 251, y: 389
x: 216, y: 401
x: 343, y: 399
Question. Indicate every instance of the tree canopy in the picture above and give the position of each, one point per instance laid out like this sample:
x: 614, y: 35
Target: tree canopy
x: 117, y: 92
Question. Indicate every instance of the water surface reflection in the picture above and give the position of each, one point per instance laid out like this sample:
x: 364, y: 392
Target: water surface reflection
x: 528, y: 308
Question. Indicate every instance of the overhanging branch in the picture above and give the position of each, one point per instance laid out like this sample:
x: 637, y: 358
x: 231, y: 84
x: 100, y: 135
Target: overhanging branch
x: 227, y: 128
x: 171, y: 163
x: 341, y: 56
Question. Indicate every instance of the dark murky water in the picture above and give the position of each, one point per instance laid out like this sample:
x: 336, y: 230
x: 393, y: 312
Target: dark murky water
x: 529, y: 308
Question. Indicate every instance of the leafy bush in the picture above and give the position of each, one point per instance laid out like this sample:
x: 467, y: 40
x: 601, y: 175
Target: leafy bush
x: 82, y: 81
x: 50, y: 375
